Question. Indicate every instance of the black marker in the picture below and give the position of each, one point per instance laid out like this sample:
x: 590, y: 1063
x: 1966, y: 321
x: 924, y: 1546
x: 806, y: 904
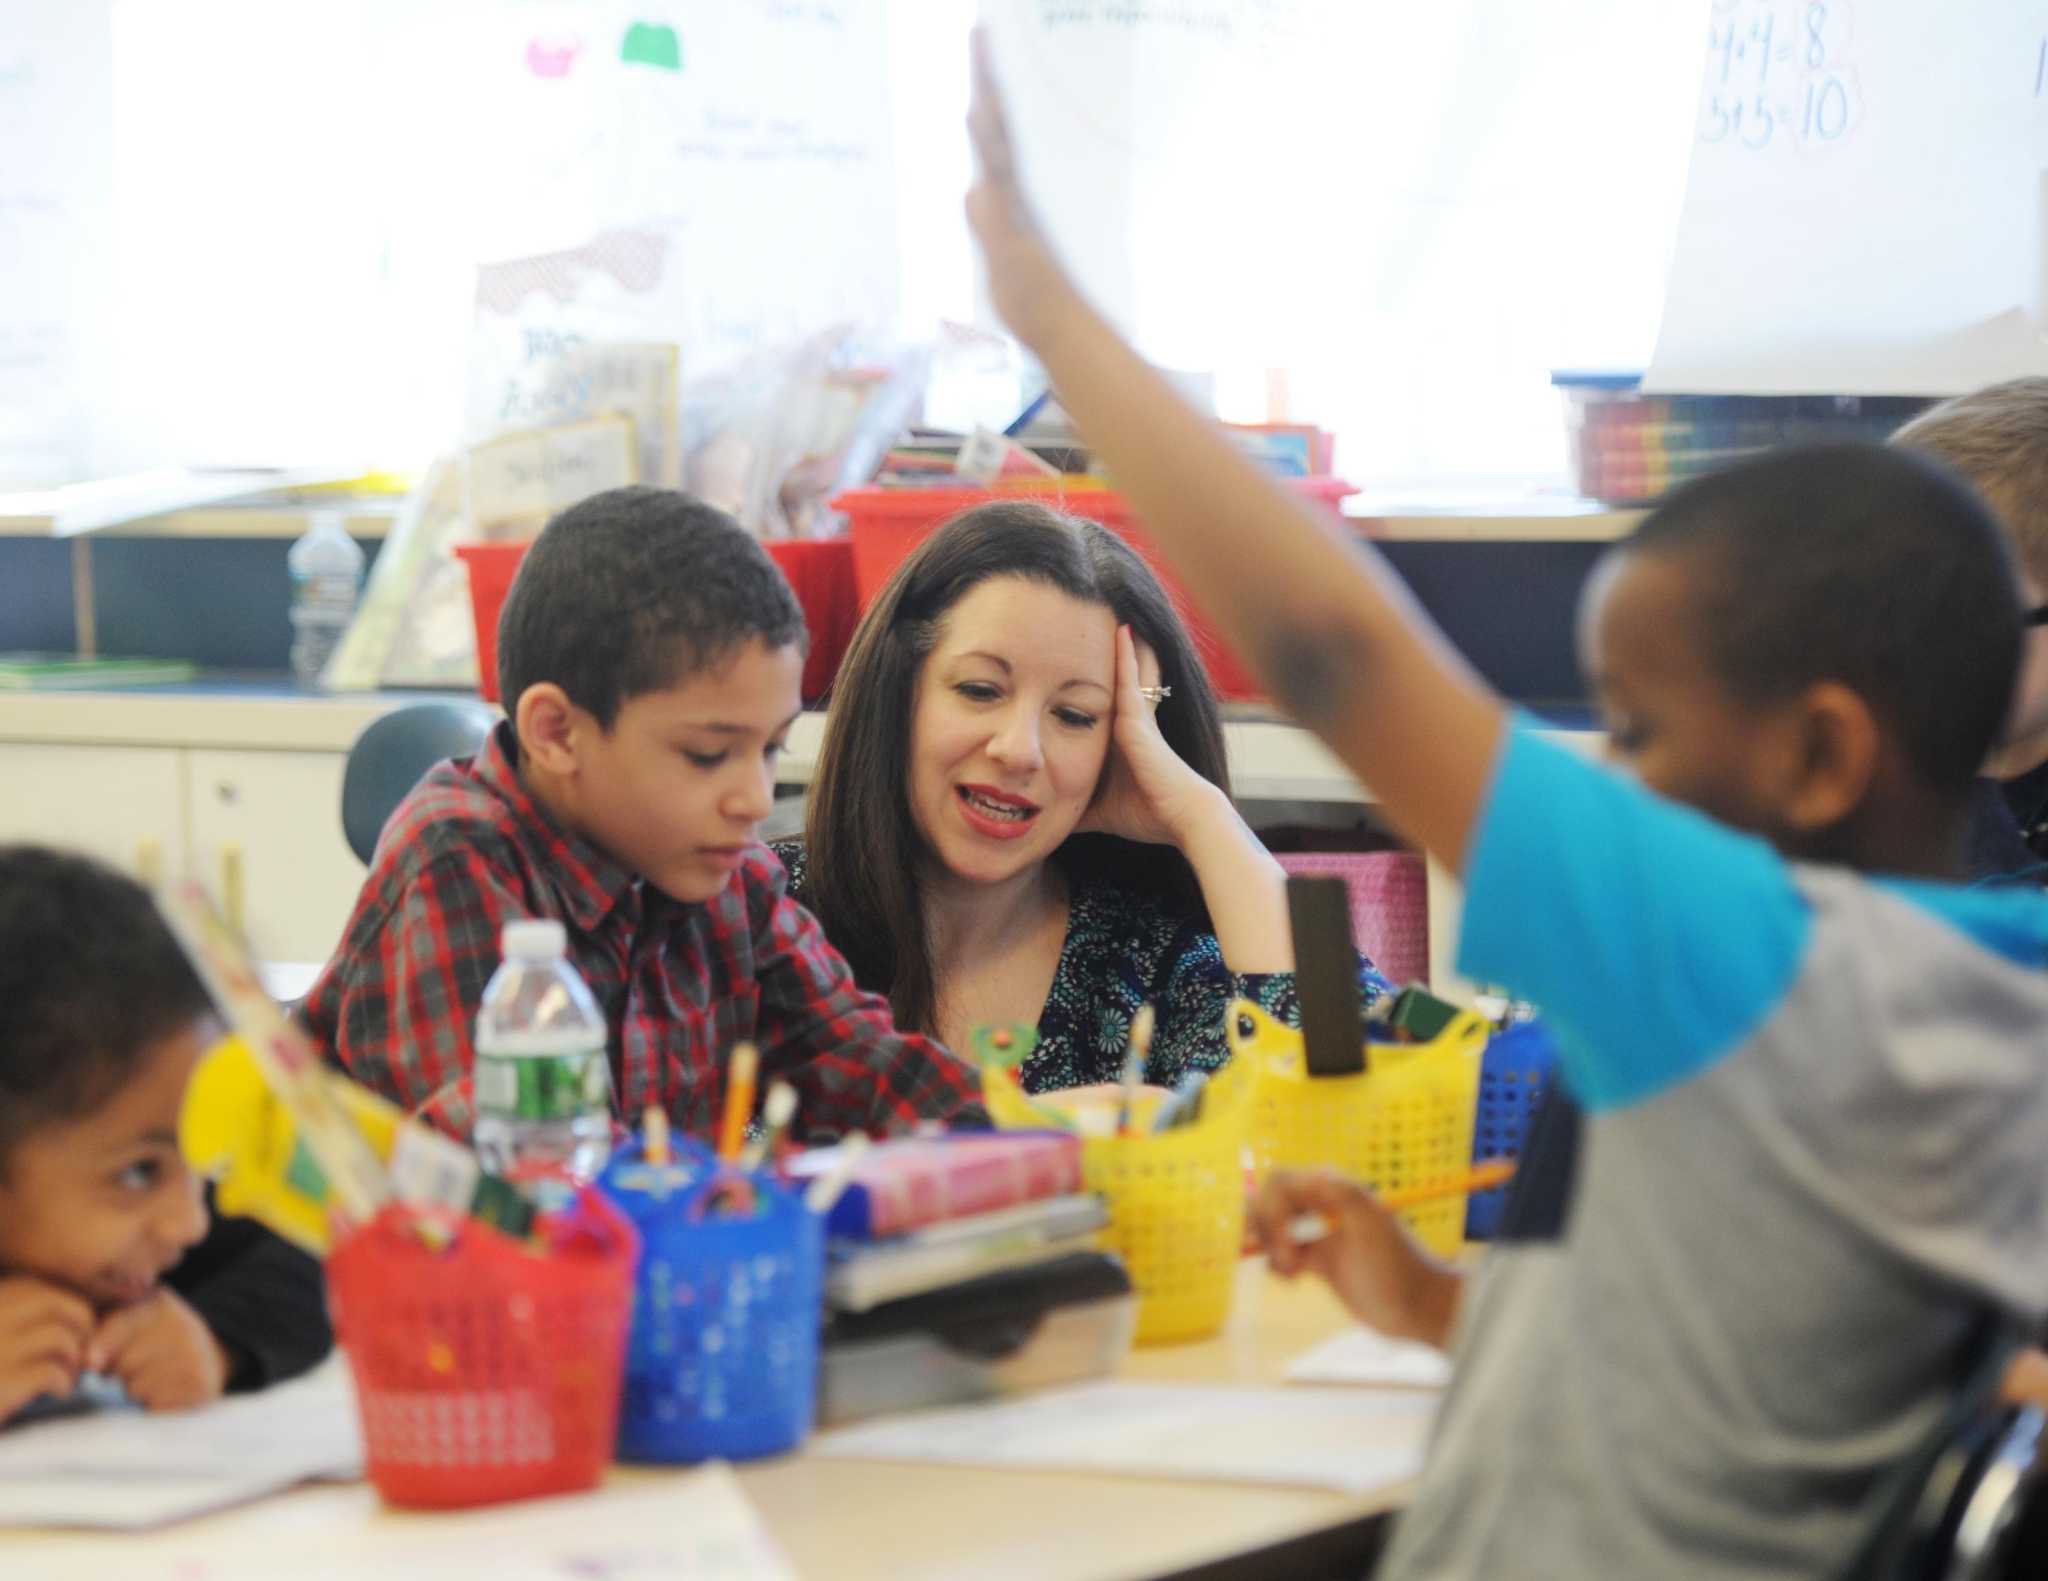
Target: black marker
x: 1326, y: 975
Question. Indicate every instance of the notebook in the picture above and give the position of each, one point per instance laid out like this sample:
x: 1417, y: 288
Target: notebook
x: 45, y: 672
x: 864, y: 1274
x: 910, y: 1182
x: 129, y: 1469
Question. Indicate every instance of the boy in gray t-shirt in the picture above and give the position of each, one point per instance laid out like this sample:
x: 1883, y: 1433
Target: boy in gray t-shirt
x: 1812, y: 1163
x: 1817, y: 1137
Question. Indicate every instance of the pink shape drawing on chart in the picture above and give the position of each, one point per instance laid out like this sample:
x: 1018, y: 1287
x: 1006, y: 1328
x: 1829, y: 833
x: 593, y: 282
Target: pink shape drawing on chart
x: 552, y: 57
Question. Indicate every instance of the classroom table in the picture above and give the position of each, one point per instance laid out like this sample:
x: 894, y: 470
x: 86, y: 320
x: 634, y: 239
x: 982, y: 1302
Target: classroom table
x: 844, y: 1520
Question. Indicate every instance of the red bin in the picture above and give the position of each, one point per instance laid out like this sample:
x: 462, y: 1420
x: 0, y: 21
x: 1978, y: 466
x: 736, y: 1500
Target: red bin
x: 888, y: 523
x: 486, y: 1369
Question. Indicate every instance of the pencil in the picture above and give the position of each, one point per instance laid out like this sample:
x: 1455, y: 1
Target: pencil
x: 1483, y: 1176
x: 654, y: 1131
x: 1134, y: 1066
x: 776, y: 1115
x: 827, y: 1188
x: 739, y: 1101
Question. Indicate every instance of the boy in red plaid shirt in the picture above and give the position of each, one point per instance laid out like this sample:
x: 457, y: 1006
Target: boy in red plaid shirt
x: 649, y: 654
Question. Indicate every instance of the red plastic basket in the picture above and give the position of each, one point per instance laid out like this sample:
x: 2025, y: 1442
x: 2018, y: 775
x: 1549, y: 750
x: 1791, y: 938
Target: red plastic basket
x: 486, y: 1369
x: 491, y: 568
x: 888, y: 523
x: 820, y: 571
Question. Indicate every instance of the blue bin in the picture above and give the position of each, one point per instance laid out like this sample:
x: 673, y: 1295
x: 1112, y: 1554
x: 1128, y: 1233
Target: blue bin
x: 722, y: 1362
x: 1513, y: 1072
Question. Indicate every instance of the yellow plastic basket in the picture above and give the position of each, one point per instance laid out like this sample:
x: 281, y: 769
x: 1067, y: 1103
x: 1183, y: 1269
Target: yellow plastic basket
x: 1405, y: 1123
x: 1176, y: 1199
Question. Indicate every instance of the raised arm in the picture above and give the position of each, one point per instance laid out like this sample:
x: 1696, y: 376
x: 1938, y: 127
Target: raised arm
x: 1324, y: 624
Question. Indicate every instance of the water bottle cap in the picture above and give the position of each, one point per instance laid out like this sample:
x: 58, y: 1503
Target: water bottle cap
x: 534, y: 939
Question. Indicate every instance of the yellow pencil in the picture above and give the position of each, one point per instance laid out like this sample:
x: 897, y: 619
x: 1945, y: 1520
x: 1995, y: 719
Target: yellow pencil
x: 1481, y: 1177
x: 739, y: 1101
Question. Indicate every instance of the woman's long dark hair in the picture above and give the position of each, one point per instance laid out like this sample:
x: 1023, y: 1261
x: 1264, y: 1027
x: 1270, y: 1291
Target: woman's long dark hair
x: 865, y: 852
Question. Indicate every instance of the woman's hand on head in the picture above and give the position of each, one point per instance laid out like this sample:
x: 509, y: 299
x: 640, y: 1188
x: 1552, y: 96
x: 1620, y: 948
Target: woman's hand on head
x: 1146, y: 792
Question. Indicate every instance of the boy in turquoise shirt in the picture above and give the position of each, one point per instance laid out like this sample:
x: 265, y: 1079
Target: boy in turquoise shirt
x: 1817, y: 1140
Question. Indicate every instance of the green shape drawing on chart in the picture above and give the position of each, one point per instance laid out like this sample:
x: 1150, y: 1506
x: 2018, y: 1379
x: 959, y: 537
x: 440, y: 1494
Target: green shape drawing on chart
x: 652, y: 44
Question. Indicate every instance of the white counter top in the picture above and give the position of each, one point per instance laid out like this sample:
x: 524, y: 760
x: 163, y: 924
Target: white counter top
x: 1269, y: 761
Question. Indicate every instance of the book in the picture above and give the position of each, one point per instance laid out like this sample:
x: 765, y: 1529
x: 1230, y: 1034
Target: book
x: 50, y: 672
x: 129, y: 1469
x: 861, y: 1275
x: 1292, y: 450
x: 911, y: 1182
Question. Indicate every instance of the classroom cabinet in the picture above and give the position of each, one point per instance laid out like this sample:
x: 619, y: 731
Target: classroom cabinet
x: 266, y: 838
x: 261, y: 829
x: 124, y: 805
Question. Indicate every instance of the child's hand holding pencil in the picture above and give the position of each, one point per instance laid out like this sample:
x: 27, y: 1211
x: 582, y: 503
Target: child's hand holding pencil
x: 1364, y: 1254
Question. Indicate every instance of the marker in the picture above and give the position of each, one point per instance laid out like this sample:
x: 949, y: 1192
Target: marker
x: 826, y: 1189
x: 1185, y: 1106
x: 739, y: 1101
x: 1022, y: 419
x: 1308, y: 1227
x: 1134, y: 1066
x: 776, y: 1115
x: 654, y: 1136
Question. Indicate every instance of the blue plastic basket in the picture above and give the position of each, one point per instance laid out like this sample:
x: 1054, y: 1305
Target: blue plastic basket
x: 722, y: 1362
x: 1513, y: 1072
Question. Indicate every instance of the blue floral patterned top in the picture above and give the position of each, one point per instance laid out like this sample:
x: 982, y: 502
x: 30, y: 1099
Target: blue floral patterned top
x: 1122, y: 950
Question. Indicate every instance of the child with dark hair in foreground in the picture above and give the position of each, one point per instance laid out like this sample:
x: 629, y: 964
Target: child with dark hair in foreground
x: 1816, y: 1142
x: 109, y: 1260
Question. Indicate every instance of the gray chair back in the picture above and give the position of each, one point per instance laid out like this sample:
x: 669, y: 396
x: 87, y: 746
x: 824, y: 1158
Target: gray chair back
x: 394, y: 754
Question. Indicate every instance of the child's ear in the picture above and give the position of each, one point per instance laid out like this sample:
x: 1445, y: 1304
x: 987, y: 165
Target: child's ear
x: 1840, y: 743
x: 547, y: 724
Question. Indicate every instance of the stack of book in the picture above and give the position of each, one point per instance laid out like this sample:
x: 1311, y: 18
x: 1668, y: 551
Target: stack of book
x: 962, y: 1267
x: 1628, y: 448
x: 923, y: 1213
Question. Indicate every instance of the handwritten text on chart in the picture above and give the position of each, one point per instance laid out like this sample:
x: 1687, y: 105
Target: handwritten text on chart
x: 1219, y: 21
x: 1778, y: 75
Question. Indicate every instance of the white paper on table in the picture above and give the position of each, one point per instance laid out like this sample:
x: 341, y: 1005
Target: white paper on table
x: 1364, y: 1355
x: 694, y: 1526
x: 99, y: 1502
x: 132, y: 1469
x: 1349, y: 1440
x: 699, y: 1527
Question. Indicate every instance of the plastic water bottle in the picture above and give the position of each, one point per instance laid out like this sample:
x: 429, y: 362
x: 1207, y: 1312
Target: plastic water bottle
x: 326, y: 567
x: 543, y: 1085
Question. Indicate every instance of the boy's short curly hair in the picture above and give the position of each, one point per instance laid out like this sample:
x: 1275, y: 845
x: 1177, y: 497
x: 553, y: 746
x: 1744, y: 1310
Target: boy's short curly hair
x: 90, y: 979
x: 1868, y: 565
x: 633, y: 591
